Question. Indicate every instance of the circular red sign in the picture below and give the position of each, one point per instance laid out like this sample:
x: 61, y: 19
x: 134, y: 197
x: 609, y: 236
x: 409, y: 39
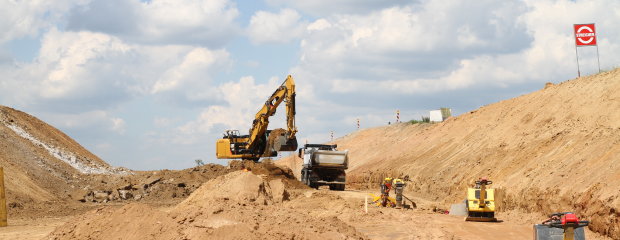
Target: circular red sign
x: 585, y: 34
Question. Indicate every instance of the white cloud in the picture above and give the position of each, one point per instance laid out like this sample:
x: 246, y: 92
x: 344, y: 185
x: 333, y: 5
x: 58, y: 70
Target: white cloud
x: 439, y: 46
x: 318, y: 25
x: 121, y: 62
x: 67, y: 55
x: 101, y: 120
x: 266, y: 27
x: 78, y: 71
x: 118, y: 125
x: 329, y: 7
x: 190, y: 76
x: 27, y: 18
x: 197, y: 22
x: 243, y: 99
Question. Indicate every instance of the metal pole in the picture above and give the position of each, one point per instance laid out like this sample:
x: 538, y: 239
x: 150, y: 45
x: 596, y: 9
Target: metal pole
x: 3, y: 214
x: 577, y: 54
x: 598, y: 59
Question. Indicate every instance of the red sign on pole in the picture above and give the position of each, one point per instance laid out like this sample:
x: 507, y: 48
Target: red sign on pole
x: 585, y: 35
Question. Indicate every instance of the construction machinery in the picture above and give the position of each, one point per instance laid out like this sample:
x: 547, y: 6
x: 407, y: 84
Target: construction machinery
x: 398, y: 201
x: 261, y: 142
x: 384, y: 200
x: 561, y: 226
x: 480, y: 202
x: 324, y: 165
x: 399, y: 186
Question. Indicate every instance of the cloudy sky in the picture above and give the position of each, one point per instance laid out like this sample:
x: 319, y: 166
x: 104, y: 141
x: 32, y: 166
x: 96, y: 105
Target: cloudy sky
x: 152, y: 84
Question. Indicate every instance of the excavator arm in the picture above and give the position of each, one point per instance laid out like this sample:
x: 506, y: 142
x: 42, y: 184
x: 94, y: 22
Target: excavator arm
x: 261, y: 142
x: 286, y: 92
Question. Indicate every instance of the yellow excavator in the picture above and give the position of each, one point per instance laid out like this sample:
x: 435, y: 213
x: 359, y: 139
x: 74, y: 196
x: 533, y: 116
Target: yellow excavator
x: 261, y: 142
x: 480, y: 202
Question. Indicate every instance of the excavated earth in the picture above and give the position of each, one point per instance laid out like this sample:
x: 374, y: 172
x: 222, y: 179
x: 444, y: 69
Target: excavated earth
x: 552, y: 150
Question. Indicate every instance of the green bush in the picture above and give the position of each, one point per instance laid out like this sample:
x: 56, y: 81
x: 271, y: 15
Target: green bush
x: 424, y: 120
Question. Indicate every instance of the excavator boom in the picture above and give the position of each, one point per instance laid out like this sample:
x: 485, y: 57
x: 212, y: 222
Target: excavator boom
x: 261, y: 142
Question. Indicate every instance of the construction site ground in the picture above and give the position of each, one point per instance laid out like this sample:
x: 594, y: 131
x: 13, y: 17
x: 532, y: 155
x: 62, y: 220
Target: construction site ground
x: 424, y: 222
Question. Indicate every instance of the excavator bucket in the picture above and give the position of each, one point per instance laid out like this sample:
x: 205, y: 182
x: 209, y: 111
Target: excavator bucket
x: 286, y: 144
x: 282, y: 142
x: 279, y: 140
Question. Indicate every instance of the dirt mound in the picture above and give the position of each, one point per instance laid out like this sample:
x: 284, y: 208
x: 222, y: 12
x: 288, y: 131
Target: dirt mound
x: 553, y: 150
x: 47, y: 173
x: 270, y: 170
x: 239, y: 205
x: 150, y: 186
x: 240, y: 187
x: 42, y: 165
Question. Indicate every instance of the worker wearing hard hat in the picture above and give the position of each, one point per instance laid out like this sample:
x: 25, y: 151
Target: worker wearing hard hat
x: 386, y: 186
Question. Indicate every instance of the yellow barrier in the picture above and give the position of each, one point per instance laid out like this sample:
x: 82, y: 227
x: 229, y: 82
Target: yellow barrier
x: 3, y: 215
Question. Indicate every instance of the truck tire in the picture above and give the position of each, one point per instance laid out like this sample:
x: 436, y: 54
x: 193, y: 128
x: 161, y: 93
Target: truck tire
x: 336, y: 187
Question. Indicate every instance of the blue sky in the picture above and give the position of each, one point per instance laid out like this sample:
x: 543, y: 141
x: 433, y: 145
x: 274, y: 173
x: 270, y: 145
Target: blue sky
x: 153, y: 84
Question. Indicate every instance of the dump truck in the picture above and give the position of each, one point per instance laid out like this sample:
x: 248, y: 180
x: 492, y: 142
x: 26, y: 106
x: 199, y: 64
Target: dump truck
x: 324, y: 165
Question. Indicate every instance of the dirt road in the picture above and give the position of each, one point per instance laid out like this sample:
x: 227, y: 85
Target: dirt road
x: 31, y: 229
x: 378, y: 223
x: 423, y: 223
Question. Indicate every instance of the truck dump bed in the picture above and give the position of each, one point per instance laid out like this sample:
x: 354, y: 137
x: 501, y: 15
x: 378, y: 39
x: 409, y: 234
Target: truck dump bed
x: 323, y: 158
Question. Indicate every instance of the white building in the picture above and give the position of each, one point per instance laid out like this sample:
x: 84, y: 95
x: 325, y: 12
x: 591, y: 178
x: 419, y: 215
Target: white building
x: 440, y: 115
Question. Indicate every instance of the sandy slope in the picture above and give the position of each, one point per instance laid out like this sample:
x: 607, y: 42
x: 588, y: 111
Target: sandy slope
x: 557, y: 149
x: 32, y: 173
x: 47, y: 173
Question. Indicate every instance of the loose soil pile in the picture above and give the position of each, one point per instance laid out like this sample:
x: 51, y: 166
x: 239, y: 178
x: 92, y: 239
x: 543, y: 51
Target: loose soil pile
x: 239, y: 205
x: 49, y: 174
